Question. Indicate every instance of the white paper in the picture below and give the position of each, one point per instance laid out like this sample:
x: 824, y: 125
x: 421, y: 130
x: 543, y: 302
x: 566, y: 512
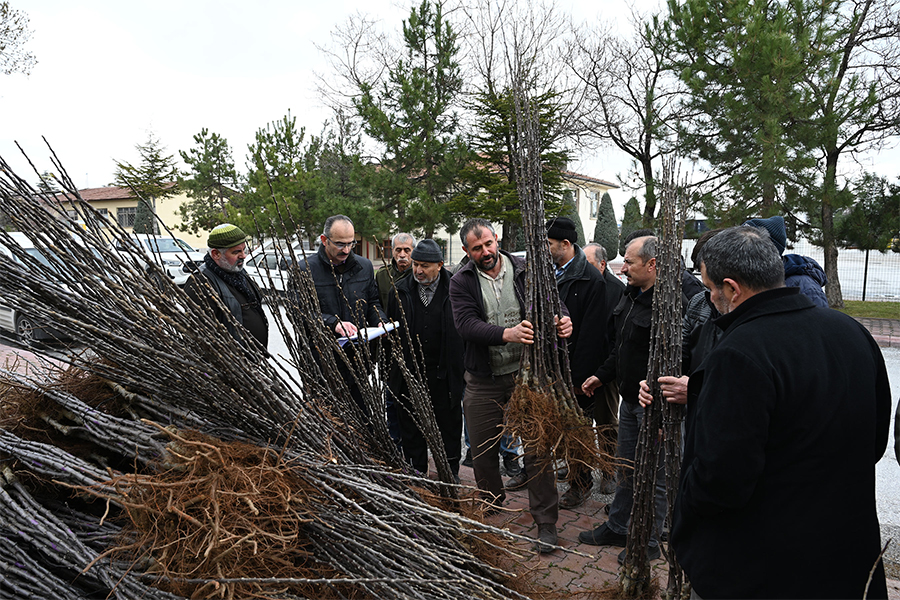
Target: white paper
x: 369, y: 333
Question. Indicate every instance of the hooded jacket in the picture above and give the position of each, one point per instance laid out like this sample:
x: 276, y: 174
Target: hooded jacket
x: 805, y: 273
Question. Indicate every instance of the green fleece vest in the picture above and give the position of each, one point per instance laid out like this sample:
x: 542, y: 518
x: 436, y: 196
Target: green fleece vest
x: 502, y: 309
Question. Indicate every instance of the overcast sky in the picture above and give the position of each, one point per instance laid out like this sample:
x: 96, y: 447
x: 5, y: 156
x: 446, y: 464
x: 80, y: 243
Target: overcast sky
x: 109, y: 71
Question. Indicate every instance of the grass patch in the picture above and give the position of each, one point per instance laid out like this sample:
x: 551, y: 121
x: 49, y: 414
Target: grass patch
x: 871, y: 310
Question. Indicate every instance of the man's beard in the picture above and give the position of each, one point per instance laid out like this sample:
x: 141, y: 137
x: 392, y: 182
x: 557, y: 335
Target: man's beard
x: 487, y: 262
x: 428, y: 281
x: 237, y: 267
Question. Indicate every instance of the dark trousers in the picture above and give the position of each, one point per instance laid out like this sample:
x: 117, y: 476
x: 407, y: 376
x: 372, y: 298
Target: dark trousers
x: 580, y: 475
x: 449, y: 421
x: 484, y: 403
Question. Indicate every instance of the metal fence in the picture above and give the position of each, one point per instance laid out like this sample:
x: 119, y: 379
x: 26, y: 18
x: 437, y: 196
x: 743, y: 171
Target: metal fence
x: 877, y: 281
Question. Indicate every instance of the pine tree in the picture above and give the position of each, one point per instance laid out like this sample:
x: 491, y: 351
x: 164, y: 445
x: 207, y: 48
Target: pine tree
x: 47, y: 182
x: 631, y: 221
x: 155, y: 178
x: 210, y: 182
x: 570, y: 210
x: 144, y: 221
x: 412, y: 116
x: 606, y: 231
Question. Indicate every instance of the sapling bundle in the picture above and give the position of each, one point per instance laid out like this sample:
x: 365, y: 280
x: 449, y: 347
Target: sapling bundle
x: 543, y: 411
x: 665, y: 359
x: 175, y: 422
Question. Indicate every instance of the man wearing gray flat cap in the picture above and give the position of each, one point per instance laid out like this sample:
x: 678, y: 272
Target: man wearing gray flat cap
x: 422, y: 306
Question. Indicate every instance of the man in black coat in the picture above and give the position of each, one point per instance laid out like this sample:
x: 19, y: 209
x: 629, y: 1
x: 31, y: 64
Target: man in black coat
x: 583, y: 291
x: 436, y: 354
x: 345, y: 281
x: 792, y: 400
x: 346, y: 289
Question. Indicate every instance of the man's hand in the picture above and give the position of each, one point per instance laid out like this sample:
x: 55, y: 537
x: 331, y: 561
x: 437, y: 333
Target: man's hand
x: 345, y: 329
x: 563, y: 326
x: 523, y: 333
x: 590, y: 384
x: 674, y: 390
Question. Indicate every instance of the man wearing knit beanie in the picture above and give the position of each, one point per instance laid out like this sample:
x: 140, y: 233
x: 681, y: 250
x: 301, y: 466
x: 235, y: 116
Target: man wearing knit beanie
x: 583, y: 290
x: 422, y: 306
x: 223, y: 274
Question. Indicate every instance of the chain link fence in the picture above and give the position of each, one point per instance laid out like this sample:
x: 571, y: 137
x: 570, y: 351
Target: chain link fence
x: 876, y: 279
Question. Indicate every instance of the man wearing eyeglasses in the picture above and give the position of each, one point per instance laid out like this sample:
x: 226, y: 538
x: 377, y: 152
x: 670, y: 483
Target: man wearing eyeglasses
x: 345, y: 281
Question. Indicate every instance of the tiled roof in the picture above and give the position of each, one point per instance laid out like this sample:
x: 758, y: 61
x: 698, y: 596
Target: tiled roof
x: 572, y: 175
x: 106, y: 193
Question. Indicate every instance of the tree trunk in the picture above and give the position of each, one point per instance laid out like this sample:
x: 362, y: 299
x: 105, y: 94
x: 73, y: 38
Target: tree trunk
x: 649, y: 216
x: 829, y: 193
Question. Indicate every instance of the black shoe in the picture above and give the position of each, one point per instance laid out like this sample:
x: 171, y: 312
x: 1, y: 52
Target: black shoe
x: 608, y: 485
x: 511, y: 465
x: 652, y: 554
x: 547, y: 538
x: 575, y: 496
x: 467, y: 461
x: 602, y: 536
x: 562, y: 471
x: 519, y: 482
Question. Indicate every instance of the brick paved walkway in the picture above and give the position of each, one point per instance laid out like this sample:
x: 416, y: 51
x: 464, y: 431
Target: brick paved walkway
x: 885, y: 331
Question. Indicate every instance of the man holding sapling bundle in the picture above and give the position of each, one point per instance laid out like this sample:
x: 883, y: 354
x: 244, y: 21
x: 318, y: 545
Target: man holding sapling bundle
x: 487, y: 297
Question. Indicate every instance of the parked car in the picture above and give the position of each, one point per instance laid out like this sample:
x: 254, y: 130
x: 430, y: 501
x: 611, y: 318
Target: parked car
x: 25, y: 327
x: 261, y: 266
x: 174, y: 255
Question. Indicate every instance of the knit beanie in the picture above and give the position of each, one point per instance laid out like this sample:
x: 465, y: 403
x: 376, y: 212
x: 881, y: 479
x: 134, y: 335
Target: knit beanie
x: 427, y: 251
x: 775, y: 227
x: 562, y: 228
x: 226, y: 235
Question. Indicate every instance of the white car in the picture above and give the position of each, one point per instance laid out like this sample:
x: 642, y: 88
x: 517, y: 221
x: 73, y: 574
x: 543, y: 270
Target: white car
x: 174, y: 255
x: 26, y: 328
x: 269, y: 270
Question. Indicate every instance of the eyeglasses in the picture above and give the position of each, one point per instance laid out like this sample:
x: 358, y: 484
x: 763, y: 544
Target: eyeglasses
x: 343, y: 245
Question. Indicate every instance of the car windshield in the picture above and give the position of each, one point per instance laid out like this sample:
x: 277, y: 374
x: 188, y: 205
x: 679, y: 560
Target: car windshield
x: 166, y: 245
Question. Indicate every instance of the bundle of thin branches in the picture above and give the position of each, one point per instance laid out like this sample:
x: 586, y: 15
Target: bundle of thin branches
x: 543, y: 411
x: 665, y: 359
x: 45, y: 559
x: 371, y: 529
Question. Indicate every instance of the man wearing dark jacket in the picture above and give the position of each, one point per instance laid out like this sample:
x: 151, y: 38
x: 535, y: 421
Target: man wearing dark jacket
x: 345, y: 287
x: 223, y: 269
x: 345, y: 281
x: 424, y: 310
x: 799, y: 271
x: 627, y: 363
x: 488, y: 300
x: 792, y: 399
x: 583, y: 291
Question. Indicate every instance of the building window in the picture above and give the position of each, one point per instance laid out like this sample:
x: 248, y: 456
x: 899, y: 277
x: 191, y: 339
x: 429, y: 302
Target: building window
x: 126, y: 215
x: 595, y: 203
